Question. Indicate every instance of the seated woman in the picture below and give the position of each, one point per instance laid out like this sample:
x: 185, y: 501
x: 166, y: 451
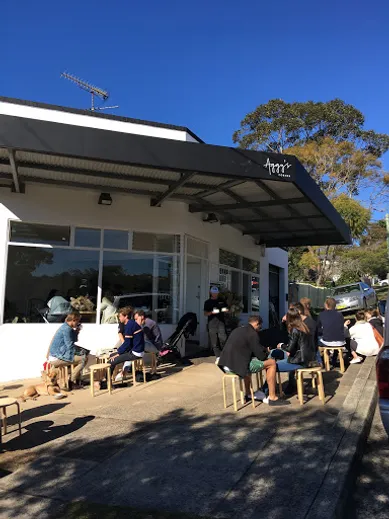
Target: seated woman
x: 375, y: 320
x: 363, y: 341
x: 300, y: 350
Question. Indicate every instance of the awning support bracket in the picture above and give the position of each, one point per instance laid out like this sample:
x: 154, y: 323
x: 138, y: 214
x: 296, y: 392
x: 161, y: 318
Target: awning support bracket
x: 185, y: 177
x: 17, y: 187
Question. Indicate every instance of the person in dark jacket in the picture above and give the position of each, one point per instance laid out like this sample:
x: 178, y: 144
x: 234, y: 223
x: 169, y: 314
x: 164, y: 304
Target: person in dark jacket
x: 373, y: 317
x: 331, y: 327
x: 243, y: 355
x: 300, y: 348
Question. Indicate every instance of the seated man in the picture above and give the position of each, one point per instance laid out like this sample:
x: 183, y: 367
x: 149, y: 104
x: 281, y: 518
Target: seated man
x: 62, y: 350
x: 243, y: 355
x: 331, y: 327
x: 151, y: 330
x: 134, y: 343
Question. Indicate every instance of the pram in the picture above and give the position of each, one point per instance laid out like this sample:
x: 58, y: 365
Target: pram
x: 186, y: 326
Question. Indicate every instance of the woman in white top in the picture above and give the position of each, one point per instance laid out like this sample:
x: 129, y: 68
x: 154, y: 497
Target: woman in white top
x: 363, y: 340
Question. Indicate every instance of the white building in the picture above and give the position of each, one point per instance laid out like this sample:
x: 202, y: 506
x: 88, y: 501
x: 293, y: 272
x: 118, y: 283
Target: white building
x: 184, y: 215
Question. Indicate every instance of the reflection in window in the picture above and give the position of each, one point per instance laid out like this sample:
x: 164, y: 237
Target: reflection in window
x: 229, y: 258
x: 41, y: 283
x: 39, y: 233
x: 87, y: 237
x: 250, y: 265
x: 254, y: 294
x: 115, y: 239
x: 149, y: 282
x: 246, y: 292
x: 144, y: 241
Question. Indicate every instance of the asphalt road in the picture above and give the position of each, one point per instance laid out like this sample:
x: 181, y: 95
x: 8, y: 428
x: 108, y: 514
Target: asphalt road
x: 371, y: 495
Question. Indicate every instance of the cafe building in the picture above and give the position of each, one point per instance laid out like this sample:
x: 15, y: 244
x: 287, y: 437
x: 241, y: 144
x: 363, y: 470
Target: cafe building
x: 99, y: 211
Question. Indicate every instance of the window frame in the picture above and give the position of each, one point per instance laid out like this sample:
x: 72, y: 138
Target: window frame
x: 100, y: 249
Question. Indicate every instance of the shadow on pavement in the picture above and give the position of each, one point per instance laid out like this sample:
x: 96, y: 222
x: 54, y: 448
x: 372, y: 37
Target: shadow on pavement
x: 215, y: 465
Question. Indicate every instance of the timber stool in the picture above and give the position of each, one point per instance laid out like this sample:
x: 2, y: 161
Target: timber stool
x: 234, y: 378
x: 64, y: 373
x: 259, y: 377
x: 324, y: 351
x: 4, y: 403
x: 317, y: 379
x: 138, y: 365
x: 98, y: 367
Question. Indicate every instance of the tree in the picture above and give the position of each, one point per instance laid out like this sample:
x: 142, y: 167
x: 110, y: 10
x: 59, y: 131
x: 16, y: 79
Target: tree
x: 278, y: 125
x: 339, y: 166
x: 353, y: 213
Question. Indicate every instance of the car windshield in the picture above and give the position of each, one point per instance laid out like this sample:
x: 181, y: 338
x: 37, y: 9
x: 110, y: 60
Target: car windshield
x: 349, y: 289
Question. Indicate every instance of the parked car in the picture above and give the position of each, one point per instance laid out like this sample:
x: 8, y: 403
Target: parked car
x: 382, y: 368
x: 383, y: 282
x: 357, y: 296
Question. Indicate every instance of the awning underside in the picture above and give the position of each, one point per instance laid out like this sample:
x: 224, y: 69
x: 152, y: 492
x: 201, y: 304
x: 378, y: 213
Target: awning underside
x: 273, y: 212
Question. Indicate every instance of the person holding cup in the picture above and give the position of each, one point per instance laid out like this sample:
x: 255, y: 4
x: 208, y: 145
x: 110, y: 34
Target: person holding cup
x: 215, y: 309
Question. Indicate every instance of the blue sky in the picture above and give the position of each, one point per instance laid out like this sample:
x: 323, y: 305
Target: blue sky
x: 202, y: 64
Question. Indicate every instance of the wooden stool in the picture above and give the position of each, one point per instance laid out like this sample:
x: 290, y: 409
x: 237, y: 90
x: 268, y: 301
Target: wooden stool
x: 64, y: 374
x: 4, y: 403
x: 324, y: 351
x: 259, y: 377
x: 138, y: 365
x: 233, y: 379
x: 315, y: 372
x: 98, y: 367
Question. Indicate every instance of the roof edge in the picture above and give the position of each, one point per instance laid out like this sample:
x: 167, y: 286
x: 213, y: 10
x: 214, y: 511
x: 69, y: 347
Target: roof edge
x: 99, y: 115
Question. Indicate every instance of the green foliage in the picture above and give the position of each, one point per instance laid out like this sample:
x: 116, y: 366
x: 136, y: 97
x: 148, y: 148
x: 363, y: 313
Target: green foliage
x: 353, y: 213
x: 277, y: 125
x: 375, y: 233
x: 296, y: 271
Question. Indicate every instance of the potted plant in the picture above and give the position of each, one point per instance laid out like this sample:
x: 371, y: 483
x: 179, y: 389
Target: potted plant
x: 235, y: 307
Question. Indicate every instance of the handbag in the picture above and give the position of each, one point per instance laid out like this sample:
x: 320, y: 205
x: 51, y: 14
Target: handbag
x: 378, y: 337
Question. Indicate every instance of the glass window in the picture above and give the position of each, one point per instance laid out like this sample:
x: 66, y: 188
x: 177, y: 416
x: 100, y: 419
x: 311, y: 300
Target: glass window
x: 150, y: 282
x: 39, y: 233
x: 246, y: 292
x: 229, y: 258
x: 144, y: 241
x: 250, y: 265
x: 254, y: 294
x: 197, y: 248
x: 43, y: 285
x: 87, y: 237
x: 115, y: 239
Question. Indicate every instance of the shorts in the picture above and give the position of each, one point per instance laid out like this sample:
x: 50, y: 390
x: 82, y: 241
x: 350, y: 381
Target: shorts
x: 255, y: 366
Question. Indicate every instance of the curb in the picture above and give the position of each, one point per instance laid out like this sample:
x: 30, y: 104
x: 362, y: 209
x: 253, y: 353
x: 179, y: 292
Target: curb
x: 354, y: 419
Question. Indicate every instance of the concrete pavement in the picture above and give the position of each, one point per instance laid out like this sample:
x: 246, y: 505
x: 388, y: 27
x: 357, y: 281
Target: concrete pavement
x: 170, y: 445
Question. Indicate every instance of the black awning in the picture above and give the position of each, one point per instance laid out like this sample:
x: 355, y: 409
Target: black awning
x: 268, y: 196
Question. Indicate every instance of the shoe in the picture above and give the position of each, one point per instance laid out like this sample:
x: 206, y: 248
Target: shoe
x: 119, y: 377
x: 217, y: 360
x: 356, y: 361
x: 258, y: 396
x: 274, y: 403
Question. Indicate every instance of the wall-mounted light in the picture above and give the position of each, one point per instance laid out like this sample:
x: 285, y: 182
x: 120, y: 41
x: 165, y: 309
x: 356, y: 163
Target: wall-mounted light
x: 210, y: 218
x: 105, y: 199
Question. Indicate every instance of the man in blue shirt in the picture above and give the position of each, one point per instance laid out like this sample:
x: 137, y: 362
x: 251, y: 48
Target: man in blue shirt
x: 134, y: 342
x: 151, y: 330
x: 62, y: 348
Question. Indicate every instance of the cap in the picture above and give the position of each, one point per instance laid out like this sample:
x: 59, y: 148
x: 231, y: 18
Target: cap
x: 214, y: 290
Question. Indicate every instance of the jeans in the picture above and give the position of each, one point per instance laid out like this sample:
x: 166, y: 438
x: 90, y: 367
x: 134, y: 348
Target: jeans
x: 78, y: 363
x: 217, y: 335
x: 150, y: 347
x: 121, y: 359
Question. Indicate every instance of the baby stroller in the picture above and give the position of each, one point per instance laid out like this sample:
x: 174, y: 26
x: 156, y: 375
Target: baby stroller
x: 186, y: 326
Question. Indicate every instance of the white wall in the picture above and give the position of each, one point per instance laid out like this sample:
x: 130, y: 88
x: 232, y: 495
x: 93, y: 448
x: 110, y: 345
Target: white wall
x: 26, y: 344
x: 58, y: 116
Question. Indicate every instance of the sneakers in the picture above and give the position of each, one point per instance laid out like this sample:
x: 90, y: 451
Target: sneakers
x: 119, y: 377
x: 274, y: 403
x: 258, y: 395
x: 356, y: 361
x: 217, y: 360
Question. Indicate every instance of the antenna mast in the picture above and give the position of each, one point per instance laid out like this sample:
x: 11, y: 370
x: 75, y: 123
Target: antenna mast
x: 93, y: 90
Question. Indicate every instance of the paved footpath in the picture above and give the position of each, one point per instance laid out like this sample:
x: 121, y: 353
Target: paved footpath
x: 170, y: 445
x: 371, y: 496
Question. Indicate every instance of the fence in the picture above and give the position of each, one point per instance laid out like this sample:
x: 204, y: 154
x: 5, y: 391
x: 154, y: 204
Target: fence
x: 316, y: 294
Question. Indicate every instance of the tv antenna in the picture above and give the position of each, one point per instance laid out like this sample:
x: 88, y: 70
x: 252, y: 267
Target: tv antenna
x: 93, y: 90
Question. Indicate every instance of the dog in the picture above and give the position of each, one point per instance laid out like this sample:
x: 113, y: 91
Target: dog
x: 50, y: 387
